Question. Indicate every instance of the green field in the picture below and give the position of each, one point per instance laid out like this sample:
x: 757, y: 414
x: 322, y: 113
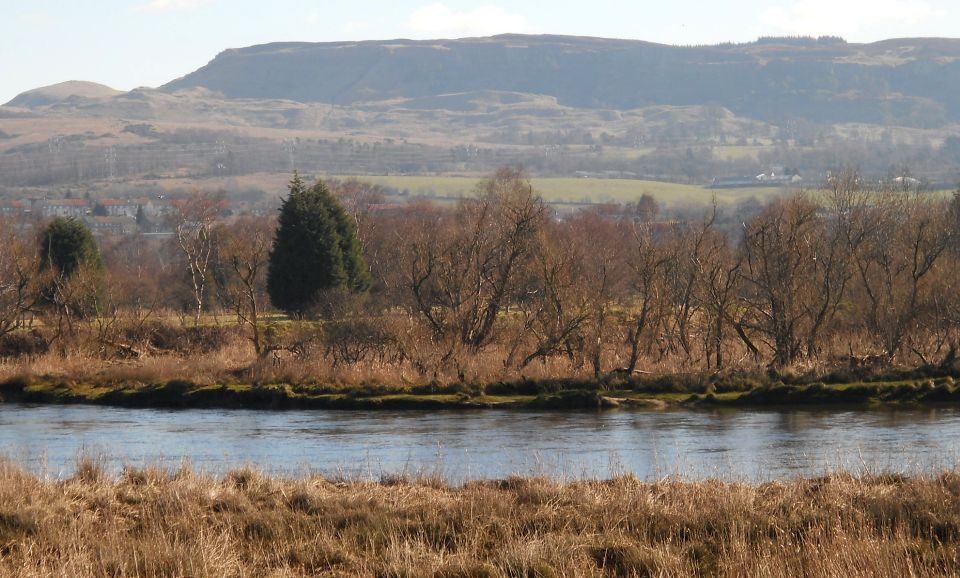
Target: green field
x: 575, y: 190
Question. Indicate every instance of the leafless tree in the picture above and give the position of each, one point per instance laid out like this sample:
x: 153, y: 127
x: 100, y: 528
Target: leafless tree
x: 244, y: 247
x: 555, y: 305
x: 461, y: 269
x: 194, y: 220
x: 360, y: 199
x: 647, y: 262
x: 780, y: 250
x: 907, y: 236
x: 833, y: 251
x: 18, y: 278
x: 718, y: 294
x: 603, y: 247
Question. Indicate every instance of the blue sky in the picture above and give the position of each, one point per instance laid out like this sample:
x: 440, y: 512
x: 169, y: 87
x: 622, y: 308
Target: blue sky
x: 130, y: 43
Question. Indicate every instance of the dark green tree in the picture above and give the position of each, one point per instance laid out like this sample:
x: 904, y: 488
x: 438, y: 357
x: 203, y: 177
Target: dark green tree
x: 66, y: 245
x: 72, y: 271
x: 142, y: 221
x: 315, y: 249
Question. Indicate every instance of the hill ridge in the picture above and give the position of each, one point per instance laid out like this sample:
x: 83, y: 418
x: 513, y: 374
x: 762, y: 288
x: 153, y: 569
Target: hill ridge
x: 906, y: 82
x: 61, y: 91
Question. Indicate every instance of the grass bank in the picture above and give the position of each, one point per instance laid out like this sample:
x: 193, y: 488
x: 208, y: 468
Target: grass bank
x: 156, y: 522
x: 185, y: 394
x: 913, y: 388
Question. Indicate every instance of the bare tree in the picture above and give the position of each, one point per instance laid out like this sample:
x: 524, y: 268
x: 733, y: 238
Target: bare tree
x: 685, y: 248
x: 833, y: 250
x: 602, y: 245
x: 461, y: 269
x: 359, y: 198
x: 906, y: 237
x: 647, y: 262
x: 245, y: 248
x: 18, y: 278
x: 779, y: 248
x: 718, y: 294
x: 555, y: 305
x: 193, y: 225
x: 76, y: 297
x: 139, y: 270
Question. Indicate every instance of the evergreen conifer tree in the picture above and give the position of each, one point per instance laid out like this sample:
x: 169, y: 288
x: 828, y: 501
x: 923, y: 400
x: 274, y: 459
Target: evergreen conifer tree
x: 66, y: 248
x: 315, y: 248
x: 66, y: 244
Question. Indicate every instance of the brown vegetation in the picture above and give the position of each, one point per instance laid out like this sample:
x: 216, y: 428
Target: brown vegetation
x: 497, y: 288
x: 158, y: 522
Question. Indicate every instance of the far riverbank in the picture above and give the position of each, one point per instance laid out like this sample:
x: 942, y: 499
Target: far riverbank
x: 661, y: 393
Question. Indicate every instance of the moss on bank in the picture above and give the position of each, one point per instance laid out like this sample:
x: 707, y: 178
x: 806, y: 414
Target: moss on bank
x: 921, y: 392
x: 547, y: 395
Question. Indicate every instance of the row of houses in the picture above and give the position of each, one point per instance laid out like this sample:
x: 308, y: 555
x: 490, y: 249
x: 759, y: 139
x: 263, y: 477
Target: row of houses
x: 152, y: 208
x: 102, y: 217
x: 79, y: 208
x: 117, y: 216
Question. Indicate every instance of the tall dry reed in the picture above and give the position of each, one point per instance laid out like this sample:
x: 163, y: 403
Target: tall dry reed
x: 156, y: 522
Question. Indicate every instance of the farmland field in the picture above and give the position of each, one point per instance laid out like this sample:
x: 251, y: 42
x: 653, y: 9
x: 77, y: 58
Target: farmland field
x: 577, y: 189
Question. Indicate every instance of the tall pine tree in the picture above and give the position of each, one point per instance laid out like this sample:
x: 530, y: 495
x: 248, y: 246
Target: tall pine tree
x: 315, y: 249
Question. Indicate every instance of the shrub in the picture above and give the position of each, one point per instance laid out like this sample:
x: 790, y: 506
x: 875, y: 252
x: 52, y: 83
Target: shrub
x: 23, y: 344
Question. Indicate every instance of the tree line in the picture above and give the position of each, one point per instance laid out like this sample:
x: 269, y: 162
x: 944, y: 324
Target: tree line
x: 846, y: 274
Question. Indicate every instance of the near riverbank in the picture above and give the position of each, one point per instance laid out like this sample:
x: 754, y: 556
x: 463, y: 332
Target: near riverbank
x: 157, y: 522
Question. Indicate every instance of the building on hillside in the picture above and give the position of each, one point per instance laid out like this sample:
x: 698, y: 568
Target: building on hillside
x: 383, y: 208
x: 77, y: 208
x: 121, y: 225
x: 159, y: 207
x: 14, y: 208
x: 125, y: 207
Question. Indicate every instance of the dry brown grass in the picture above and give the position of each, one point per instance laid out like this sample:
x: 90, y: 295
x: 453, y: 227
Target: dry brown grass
x: 156, y: 522
x: 234, y: 360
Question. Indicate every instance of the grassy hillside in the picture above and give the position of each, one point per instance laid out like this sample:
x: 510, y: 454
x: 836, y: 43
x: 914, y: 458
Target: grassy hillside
x: 72, y: 89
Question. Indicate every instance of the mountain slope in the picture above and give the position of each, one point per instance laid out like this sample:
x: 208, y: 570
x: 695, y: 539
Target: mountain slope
x: 907, y: 82
x: 56, y: 93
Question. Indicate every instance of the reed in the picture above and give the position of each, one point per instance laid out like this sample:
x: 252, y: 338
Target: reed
x: 179, y: 522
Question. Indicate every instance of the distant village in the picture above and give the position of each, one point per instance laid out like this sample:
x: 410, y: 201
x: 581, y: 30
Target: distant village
x: 114, y: 216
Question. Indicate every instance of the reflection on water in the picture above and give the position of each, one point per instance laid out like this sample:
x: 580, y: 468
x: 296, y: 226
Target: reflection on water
x: 754, y: 444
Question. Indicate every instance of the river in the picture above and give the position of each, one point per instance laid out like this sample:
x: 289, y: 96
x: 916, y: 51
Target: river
x: 730, y: 443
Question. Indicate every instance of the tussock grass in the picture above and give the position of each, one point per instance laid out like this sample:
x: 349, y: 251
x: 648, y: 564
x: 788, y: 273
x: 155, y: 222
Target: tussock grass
x: 177, y: 522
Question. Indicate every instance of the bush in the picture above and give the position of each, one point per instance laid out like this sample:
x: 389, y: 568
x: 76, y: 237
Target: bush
x: 354, y: 340
x: 23, y: 344
x: 176, y: 339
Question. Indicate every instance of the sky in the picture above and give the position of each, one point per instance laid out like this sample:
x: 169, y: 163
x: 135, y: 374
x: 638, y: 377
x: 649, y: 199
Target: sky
x: 131, y: 43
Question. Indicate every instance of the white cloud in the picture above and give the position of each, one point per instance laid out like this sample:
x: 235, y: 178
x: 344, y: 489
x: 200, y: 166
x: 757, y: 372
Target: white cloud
x: 844, y: 17
x: 437, y: 19
x: 171, y: 5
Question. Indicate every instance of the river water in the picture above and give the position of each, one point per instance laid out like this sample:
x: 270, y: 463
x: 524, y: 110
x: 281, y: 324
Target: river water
x: 730, y: 443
